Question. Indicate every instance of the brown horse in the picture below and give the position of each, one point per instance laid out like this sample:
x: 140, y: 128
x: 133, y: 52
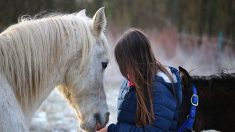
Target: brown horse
x: 216, y: 109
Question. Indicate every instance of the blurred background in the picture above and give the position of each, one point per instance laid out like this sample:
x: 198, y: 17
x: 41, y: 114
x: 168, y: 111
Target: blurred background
x: 196, y: 34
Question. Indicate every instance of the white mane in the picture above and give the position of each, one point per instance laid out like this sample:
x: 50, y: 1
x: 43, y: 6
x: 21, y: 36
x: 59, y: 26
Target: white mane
x: 31, y: 48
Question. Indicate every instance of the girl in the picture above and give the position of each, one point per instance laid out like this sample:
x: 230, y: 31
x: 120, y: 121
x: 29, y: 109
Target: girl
x: 150, y: 97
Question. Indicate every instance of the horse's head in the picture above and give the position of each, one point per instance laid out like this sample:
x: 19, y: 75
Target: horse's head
x: 187, y: 93
x: 84, y: 77
x: 186, y: 82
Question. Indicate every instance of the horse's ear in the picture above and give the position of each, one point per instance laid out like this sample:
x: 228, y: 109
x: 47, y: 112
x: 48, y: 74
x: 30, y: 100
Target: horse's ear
x: 82, y: 12
x: 99, y: 21
x: 185, y: 77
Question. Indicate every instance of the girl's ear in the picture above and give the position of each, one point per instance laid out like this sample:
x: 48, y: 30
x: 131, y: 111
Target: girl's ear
x: 186, y: 80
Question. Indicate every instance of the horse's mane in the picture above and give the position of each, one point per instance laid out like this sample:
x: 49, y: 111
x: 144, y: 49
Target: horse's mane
x: 31, y: 48
x: 224, y: 77
x: 215, y: 85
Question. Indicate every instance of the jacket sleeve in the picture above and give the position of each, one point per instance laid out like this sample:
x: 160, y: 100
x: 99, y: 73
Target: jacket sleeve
x: 164, y: 104
x: 125, y: 127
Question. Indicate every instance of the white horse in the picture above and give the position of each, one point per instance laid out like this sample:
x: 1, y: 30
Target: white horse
x: 65, y: 51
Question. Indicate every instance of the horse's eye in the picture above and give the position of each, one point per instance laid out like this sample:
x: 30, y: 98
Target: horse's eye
x: 104, y: 64
x: 105, y: 31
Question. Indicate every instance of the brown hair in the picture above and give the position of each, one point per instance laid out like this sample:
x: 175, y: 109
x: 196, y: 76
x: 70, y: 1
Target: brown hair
x: 136, y: 60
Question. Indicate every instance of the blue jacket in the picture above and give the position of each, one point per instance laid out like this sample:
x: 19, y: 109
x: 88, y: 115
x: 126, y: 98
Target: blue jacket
x: 166, y: 102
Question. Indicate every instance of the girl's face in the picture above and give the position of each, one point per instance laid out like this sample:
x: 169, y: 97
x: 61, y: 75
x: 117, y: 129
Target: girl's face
x: 126, y: 72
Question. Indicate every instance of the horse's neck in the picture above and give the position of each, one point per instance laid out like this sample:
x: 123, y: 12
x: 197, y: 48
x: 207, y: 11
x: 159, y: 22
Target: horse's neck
x: 216, y: 97
x: 53, y: 78
x: 10, y: 104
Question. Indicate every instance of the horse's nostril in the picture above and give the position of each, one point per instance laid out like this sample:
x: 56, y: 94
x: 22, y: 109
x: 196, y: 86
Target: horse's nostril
x: 107, y: 113
x: 97, y: 117
x: 107, y: 117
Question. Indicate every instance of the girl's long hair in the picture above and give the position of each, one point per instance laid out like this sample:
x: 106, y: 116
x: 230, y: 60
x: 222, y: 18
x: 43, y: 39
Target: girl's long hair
x: 137, y: 63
